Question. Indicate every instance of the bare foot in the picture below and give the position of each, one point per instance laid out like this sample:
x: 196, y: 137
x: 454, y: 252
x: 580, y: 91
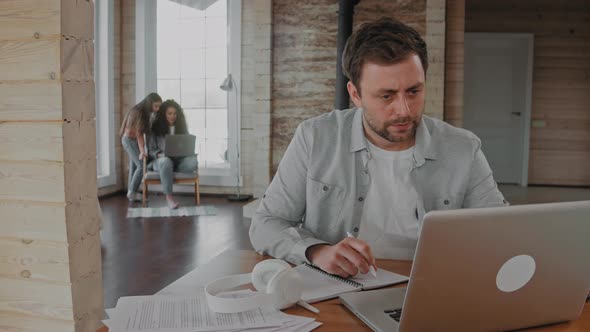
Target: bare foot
x: 172, y: 204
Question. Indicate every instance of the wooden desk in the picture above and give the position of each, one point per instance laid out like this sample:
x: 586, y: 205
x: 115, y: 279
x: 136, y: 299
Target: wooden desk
x: 334, y: 315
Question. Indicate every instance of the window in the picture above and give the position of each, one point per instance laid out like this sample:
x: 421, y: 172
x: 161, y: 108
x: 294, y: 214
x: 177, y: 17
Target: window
x: 197, y: 45
x: 191, y: 64
x: 103, y: 78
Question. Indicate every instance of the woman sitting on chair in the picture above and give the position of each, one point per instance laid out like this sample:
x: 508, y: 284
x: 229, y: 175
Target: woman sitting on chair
x: 169, y: 121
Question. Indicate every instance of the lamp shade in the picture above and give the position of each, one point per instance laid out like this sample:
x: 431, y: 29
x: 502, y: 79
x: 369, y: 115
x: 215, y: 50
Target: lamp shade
x: 197, y: 4
x: 227, y: 84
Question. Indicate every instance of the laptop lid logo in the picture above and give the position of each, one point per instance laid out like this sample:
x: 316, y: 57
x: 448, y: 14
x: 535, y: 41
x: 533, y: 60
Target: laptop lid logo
x: 515, y: 273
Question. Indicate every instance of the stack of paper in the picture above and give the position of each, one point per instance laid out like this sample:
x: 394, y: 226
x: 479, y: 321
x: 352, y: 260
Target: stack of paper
x: 167, y: 313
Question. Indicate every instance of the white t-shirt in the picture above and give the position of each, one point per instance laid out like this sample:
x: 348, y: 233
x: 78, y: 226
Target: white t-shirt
x: 389, y: 223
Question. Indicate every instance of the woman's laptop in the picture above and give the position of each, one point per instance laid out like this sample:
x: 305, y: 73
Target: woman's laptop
x: 489, y: 269
x: 179, y: 145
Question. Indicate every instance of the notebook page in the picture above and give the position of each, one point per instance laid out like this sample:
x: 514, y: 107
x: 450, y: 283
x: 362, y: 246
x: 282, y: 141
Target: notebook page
x: 384, y: 278
x: 318, y: 287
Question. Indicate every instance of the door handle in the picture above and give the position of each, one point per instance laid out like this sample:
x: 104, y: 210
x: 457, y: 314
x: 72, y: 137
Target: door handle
x: 516, y: 113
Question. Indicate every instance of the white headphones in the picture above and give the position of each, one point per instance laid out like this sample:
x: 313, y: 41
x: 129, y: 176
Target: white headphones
x: 279, y: 287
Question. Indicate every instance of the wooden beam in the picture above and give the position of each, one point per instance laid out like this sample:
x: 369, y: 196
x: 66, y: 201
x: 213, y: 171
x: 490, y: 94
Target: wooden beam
x: 77, y: 59
x: 78, y: 100
x: 81, y: 180
x: 88, y: 300
x: 83, y: 222
x: 79, y: 141
x: 77, y: 19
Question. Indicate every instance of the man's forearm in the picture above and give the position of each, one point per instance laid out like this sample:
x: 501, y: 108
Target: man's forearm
x: 280, y: 238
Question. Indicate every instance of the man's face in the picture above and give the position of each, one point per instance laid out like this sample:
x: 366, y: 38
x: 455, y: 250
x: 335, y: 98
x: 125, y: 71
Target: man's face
x: 392, y: 96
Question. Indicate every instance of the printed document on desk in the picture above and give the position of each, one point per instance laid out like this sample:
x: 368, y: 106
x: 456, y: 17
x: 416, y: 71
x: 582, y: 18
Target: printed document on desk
x: 184, y: 314
x: 167, y: 313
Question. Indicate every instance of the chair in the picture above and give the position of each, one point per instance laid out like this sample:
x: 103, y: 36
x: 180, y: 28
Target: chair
x: 152, y: 177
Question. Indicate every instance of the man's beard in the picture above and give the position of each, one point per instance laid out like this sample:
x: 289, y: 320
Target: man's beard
x: 407, y: 135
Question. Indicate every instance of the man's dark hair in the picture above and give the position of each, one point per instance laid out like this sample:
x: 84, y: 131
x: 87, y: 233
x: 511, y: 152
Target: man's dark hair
x: 384, y: 41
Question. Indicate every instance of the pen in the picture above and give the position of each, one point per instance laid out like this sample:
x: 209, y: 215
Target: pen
x: 308, y: 306
x: 371, y: 268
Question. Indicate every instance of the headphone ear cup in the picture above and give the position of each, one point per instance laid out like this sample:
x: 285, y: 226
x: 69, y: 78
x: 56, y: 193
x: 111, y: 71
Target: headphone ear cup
x: 285, y: 288
x: 264, y: 271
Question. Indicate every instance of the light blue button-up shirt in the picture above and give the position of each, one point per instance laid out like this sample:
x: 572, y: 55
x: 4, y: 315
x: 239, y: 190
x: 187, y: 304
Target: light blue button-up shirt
x: 320, y: 187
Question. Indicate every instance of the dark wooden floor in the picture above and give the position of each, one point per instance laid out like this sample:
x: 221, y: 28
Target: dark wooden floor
x: 140, y: 256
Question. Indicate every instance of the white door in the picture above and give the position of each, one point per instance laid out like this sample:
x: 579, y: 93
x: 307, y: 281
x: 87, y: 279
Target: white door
x: 497, y: 100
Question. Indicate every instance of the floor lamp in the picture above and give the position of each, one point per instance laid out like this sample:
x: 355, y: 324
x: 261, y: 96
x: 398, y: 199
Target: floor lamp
x: 230, y: 86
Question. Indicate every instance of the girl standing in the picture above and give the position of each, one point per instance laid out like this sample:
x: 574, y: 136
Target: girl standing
x: 135, y: 125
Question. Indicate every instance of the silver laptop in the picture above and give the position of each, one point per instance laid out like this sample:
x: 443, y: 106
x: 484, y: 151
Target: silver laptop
x: 489, y: 269
x: 179, y: 145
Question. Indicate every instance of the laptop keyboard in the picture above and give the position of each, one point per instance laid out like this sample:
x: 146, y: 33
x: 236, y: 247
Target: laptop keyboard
x: 394, y: 313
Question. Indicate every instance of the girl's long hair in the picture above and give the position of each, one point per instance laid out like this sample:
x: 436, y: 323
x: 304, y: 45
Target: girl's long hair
x: 138, y: 116
x: 160, y: 125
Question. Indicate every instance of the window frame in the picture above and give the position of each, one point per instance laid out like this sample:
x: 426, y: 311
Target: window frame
x: 104, y: 93
x: 146, y: 81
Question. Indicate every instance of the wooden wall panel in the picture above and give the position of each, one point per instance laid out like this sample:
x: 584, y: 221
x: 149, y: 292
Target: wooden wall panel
x: 50, y: 266
x: 455, y: 31
x: 30, y: 101
x: 26, y: 19
x: 34, y: 260
x: 304, y: 59
x: 560, y: 131
x: 42, y: 142
x: 37, y: 298
x: 42, y: 221
x: 555, y: 167
x: 14, y: 322
x: 29, y: 60
x: 435, y: 41
x: 28, y: 181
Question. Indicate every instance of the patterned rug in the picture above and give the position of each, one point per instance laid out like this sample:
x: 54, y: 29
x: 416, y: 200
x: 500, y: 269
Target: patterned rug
x: 182, y: 211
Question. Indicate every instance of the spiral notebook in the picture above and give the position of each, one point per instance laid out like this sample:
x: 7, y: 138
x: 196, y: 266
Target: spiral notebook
x: 319, y: 285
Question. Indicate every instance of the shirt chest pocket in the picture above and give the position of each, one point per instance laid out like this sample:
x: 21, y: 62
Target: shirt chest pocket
x: 324, y: 193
